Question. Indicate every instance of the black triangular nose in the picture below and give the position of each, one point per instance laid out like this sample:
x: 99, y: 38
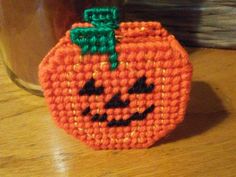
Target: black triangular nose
x: 116, y: 102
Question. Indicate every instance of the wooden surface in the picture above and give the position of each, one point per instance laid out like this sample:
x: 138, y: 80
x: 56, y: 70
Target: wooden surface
x: 208, y: 23
x: 204, y: 145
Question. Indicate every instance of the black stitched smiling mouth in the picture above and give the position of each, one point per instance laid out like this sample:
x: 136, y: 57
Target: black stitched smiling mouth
x: 117, y: 123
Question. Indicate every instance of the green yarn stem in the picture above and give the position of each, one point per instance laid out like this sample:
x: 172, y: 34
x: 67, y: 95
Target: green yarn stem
x: 101, y: 37
x: 102, y: 16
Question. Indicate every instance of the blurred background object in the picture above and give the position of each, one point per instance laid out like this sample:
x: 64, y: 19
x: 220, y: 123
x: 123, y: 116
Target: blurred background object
x: 199, y: 23
x: 29, y: 28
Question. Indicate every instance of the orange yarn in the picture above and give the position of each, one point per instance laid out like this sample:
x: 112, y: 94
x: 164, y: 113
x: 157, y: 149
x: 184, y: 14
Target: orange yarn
x: 145, y: 49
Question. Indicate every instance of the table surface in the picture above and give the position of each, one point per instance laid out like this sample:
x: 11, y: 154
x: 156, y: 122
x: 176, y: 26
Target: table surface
x: 204, y: 145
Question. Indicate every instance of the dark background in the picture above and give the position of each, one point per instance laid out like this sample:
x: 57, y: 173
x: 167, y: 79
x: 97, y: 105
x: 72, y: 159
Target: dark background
x: 200, y: 23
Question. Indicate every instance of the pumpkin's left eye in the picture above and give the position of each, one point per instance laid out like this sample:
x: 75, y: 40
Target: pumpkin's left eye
x: 90, y: 89
x: 140, y: 86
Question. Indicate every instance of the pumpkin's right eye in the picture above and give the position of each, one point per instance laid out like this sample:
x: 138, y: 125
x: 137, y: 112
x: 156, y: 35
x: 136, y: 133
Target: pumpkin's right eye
x: 140, y: 86
x: 90, y: 89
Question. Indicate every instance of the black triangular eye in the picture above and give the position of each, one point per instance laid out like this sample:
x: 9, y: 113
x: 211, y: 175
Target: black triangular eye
x: 140, y: 86
x: 90, y: 89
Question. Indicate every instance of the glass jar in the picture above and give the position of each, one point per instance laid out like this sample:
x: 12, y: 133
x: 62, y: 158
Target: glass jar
x: 28, y: 29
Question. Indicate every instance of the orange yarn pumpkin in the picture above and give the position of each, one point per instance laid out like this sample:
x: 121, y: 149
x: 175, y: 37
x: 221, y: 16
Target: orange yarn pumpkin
x: 133, y: 106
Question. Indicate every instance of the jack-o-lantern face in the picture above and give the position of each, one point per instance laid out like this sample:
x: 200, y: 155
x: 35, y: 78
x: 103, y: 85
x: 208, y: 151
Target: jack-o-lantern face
x: 116, y: 103
x: 133, y: 106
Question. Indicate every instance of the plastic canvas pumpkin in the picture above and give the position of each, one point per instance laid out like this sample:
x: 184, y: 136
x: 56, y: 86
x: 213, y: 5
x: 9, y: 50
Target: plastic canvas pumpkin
x: 116, y: 85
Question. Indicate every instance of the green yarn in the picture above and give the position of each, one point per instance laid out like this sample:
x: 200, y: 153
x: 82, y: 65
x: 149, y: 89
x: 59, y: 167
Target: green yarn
x: 96, y: 40
x: 102, y: 16
x: 101, y: 37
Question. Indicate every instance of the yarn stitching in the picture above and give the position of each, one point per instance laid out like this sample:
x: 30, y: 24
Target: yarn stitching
x: 102, y: 16
x: 100, y: 38
x: 90, y: 89
x: 147, y: 52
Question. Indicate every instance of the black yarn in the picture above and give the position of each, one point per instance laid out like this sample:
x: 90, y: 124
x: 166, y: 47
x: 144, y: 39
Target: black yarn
x: 86, y: 111
x: 90, y: 89
x: 140, y: 86
x: 118, y: 123
x: 116, y: 102
x: 141, y: 116
x: 98, y: 118
x: 136, y: 116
